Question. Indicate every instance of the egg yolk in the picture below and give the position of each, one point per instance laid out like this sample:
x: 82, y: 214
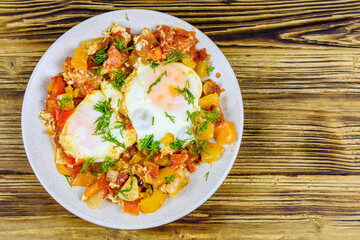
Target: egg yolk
x: 164, y: 94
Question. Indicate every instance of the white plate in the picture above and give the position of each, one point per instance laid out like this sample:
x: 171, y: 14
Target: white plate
x: 40, y: 153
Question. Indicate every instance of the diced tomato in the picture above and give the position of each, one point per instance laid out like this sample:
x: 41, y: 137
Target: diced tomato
x: 179, y: 39
x: 58, y: 86
x: 121, y: 179
x: 156, y: 54
x: 74, y: 170
x: 115, y: 58
x: 200, y: 55
x: 131, y: 207
x: 128, y: 125
x: 61, y: 117
x: 51, y: 104
x: 101, y: 183
x: 68, y: 159
x: 91, y: 63
x: 176, y: 160
x: 119, y: 35
x: 153, y: 169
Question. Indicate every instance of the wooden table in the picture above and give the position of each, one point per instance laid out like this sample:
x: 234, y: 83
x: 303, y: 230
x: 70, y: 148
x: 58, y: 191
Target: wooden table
x: 297, y: 175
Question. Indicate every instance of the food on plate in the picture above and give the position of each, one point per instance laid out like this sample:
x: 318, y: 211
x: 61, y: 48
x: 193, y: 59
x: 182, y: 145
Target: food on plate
x: 131, y: 116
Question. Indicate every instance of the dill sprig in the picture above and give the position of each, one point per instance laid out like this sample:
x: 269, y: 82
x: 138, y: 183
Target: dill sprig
x: 156, y: 82
x: 175, y: 56
x: 189, y: 97
x: 100, y: 56
x: 63, y: 101
x: 97, y: 71
x: 121, y: 126
x: 103, y: 121
x: 119, y: 80
x: 172, y: 118
x: 122, y: 46
x: 178, y: 144
x: 123, y: 192
x: 206, y: 176
x: 211, y: 116
x: 68, y: 179
x: 86, y: 164
x: 209, y: 68
x: 107, y: 163
x: 170, y: 178
x: 148, y: 144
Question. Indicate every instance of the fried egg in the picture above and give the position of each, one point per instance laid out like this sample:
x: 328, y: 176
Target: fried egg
x: 78, y: 139
x: 154, y: 103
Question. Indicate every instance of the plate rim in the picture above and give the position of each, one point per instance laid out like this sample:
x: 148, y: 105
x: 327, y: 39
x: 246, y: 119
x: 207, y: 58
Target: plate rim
x: 161, y: 221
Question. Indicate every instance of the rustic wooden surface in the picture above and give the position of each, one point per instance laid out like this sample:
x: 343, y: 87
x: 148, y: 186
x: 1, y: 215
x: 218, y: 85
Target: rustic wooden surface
x: 297, y: 175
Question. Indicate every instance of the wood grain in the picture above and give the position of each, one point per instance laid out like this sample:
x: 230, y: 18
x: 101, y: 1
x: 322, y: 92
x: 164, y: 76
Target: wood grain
x: 297, y: 175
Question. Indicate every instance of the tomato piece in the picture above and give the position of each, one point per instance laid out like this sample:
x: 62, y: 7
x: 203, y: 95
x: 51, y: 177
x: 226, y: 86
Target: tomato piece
x: 115, y: 58
x: 51, y: 104
x: 91, y: 64
x: 58, y: 86
x: 85, y: 179
x: 61, y: 117
x: 74, y: 170
x: 153, y: 169
x: 100, y: 184
x: 68, y: 159
x: 128, y: 125
x: 200, y: 55
x: 131, y: 207
x: 176, y: 160
x: 156, y: 54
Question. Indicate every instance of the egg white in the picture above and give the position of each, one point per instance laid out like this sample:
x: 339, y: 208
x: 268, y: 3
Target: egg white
x: 149, y: 118
x: 77, y: 137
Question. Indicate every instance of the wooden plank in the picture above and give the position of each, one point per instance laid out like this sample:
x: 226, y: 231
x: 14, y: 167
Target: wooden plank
x: 263, y: 207
x: 297, y: 172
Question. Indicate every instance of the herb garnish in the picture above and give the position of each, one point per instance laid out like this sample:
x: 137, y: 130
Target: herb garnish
x: 67, y: 179
x: 206, y: 176
x: 107, y: 163
x: 170, y: 178
x: 126, y: 16
x: 153, y: 65
x: 100, y: 56
x: 209, y: 68
x: 122, y: 46
x: 202, y: 127
x: 121, y: 126
x: 156, y: 82
x: 86, y: 164
x: 152, y: 121
x: 211, y: 116
x: 178, y: 144
x: 148, y: 143
x: 192, y: 116
x: 198, y: 146
x: 122, y: 192
x: 103, y: 122
x: 63, y: 101
x: 108, y: 137
x: 98, y: 70
x: 172, y: 118
x: 175, y: 56
x: 119, y: 80
x: 189, y: 97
